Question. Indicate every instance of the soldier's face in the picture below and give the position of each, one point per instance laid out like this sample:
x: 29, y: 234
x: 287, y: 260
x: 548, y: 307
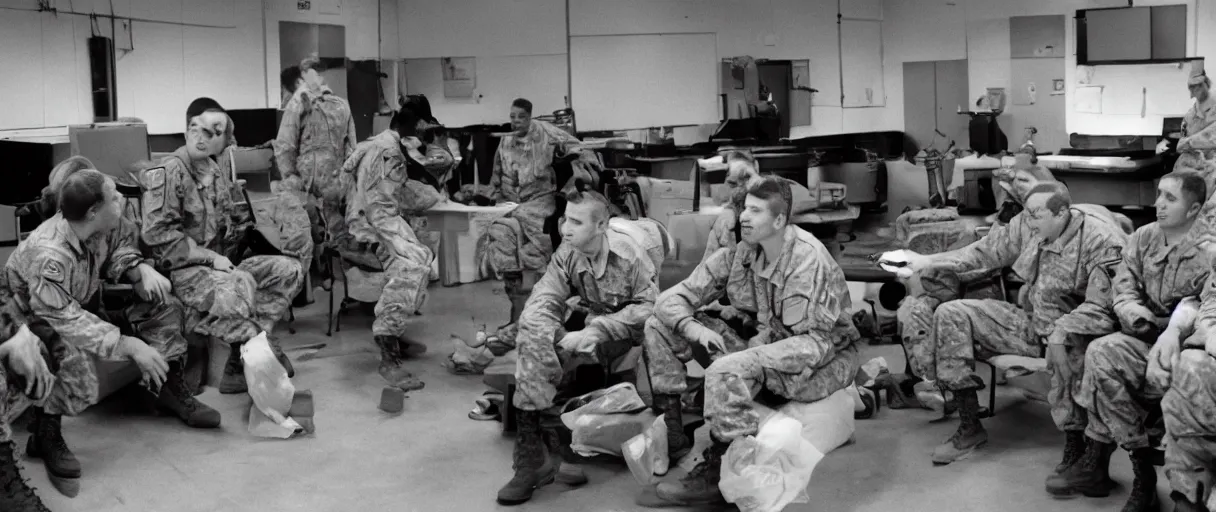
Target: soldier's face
x: 1043, y: 222
x: 312, y: 79
x: 1174, y: 209
x: 757, y: 222
x: 205, y: 136
x: 108, y: 213
x: 582, y: 226
x: 521, y: 120
x: 1200, y: 91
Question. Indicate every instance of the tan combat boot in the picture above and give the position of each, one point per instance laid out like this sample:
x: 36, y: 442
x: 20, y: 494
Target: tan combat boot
x: 176, y: 397
x: 534, y: 467
x: 1090, y: 476
x: 970, y: 434
x: 699, y: 486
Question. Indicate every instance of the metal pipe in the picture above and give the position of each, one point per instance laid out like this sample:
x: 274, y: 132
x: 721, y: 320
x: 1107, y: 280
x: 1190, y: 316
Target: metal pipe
x: 113, y: 17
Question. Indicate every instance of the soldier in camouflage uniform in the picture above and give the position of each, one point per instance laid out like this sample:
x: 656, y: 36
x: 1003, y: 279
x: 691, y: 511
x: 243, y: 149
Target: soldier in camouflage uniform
x: 188, y: 221
x: 515, y: 247
x: 1162, y: 265
x: 742, y: 171
x: 30, y: 376
x: 379, y: 234
x: 55, y: 276
x: 1189, y: 408
x: 616, y: 284
x: 316, y: 136
x: 803, y: 347
x: 1067, y: 258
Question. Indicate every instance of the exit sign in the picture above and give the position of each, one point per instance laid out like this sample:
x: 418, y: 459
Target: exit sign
x: 303, y: 5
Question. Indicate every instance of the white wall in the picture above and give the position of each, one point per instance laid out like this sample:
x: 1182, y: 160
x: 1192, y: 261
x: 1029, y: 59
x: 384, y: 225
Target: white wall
x: 979, y: 29
x: 46, y: 67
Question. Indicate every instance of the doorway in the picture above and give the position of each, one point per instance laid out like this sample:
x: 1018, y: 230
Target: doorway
x: 934, y: 92
x: 775, y: 78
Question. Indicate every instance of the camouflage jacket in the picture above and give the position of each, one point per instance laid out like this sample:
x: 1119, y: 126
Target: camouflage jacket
x: 799, y: 293
x: 53, y: 273
x: 188, y: 211
x: 316, y: 135
x: 1157, y: 275
x: 375, y: 200
x: 618, y: 289
x: 523, y: 166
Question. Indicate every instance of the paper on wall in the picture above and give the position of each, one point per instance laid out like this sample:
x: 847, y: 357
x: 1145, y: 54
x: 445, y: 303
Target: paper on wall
x: 1088, y: 99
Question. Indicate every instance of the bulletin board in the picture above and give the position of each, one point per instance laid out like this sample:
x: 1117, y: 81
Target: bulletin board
x: 1148, y: 89
x: 1032, y: 37
x: 639, y: 81
x: 861, y: 49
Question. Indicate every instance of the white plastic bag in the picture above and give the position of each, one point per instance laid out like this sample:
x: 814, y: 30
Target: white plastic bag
x: 766, y: 472
x: 646, y: 453
x: 271, y: 390
x: 602, y: 421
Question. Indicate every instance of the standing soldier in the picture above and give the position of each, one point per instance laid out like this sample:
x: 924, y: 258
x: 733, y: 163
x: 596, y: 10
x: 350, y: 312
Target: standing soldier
x: 316, y: 136
x: 615, y: 283
x: 802, y: 349
x: 376, y: 231
x: 187, y: 214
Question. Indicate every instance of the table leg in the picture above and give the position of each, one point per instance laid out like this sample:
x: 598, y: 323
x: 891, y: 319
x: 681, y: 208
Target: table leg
x: 449, y: 259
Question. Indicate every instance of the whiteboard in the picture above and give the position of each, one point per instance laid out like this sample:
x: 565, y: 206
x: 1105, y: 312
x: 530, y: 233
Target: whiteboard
x: 539, y: 78
x: 861, y: 53
x: 1152, y: 89
x: 640, y: 81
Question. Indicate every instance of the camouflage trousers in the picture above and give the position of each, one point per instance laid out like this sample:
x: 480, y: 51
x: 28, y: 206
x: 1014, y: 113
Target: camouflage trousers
x: 405, y: 291
x: 928, y: 289
x: 517, y: 240
x: 234, y: 306
x: 422, y: 231
x: 541, y: 365
x: 1115, y: 392
x: 967, y: 330
x: 667, y: 351
x: 1189, y: 407
x: 75, y: 387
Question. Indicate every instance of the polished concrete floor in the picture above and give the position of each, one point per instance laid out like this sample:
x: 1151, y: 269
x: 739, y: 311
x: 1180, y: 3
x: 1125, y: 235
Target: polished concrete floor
x: 432, y: 457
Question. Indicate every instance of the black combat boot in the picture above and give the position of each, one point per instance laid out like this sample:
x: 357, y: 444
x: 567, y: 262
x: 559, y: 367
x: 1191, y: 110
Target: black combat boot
x: 1144, y: 489
x: 699, y: 486
x: 392, y: 367
x: 678, y: 444
x: 408, y: 347
x: 197, y: 361
x: 970, y: 434
x: 16, y: 495
x: 1182, y: 504
x: 569, y: 472
x: 233, y: 381
x: 534, y: 467
x: 512, y: 287
x: 47, y: 443
x: 1090, y: 476
x: 1074, y: 448
x: 176, y: 397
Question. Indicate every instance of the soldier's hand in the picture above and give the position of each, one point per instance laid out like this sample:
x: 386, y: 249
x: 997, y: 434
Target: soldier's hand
x: 1161, y: 359
x: 149, y: 361
x: 222, y: 264
x: 152, y: 285
x: 1057, y: 361
x: 1163, y: 146
x: 23, y: 353
x: 1137, y: 320
x: 578, y: 343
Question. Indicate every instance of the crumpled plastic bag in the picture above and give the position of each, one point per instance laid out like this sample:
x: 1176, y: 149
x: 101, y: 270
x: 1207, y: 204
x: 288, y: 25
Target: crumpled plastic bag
x: 603, y: 420
x: 646, y: 453
x: 271, y: 390
x: 766, y: 472
x: 466, y: 359
x: 931, y: 396
x: 870, y: 371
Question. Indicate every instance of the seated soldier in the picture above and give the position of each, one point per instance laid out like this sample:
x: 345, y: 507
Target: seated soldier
x: 515, y: 246
x: 188, y: 215
x: 803, y: 347
x: 1064, y: 255
x: 1162, y: 265
x: 615, y: 283
x: 30, y: 375
x: 56, y: 274
x: 1186, y: 367
x: 377, y: 233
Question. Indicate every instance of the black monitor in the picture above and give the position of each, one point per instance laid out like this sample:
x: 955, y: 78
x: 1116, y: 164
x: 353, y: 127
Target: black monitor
x: 114, y: 148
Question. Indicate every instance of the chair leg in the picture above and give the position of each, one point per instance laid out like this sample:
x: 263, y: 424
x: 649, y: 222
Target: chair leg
x: 291, y: 320
x: 991, y: 394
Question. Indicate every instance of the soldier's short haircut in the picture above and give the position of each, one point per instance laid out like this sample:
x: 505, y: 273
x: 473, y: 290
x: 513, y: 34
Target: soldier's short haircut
x: 50, y: 193
x: 1193, y: 187
x: 583, y: 194
x: 313, y: 63
x: 776, y: 192
x: 521, y: 103
x: 1058, y: 198
x: 742, y: 156
x: 80, y: 192
x: 290, y: 77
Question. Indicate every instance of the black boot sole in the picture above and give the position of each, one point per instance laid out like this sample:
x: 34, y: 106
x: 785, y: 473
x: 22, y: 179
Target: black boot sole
x: 1098, y: 491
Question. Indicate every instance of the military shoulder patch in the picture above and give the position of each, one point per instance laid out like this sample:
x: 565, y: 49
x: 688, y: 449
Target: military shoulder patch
x: 53, y: 270
x: 154, y: 178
